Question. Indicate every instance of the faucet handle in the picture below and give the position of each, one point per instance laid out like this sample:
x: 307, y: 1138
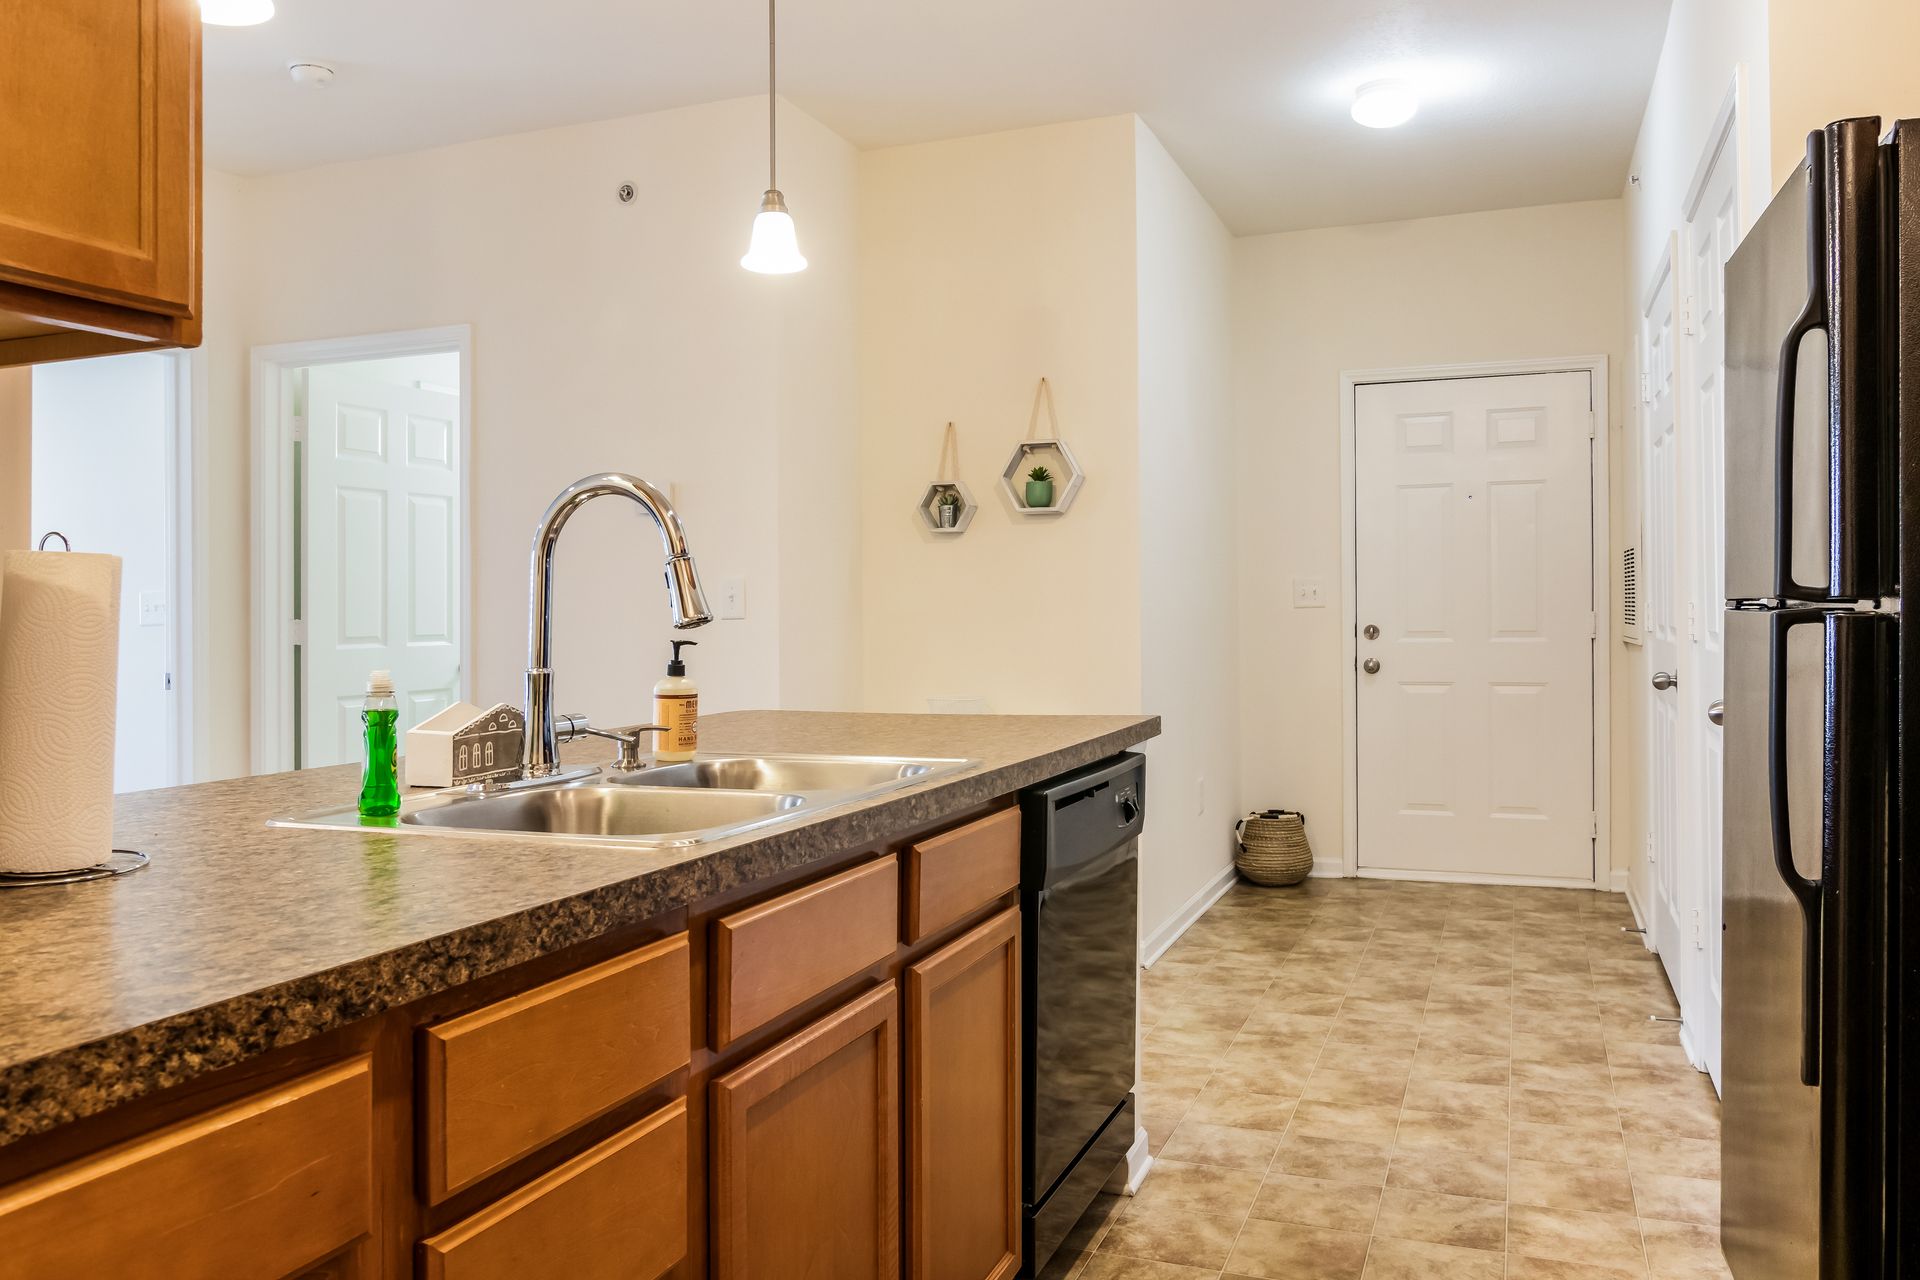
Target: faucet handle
x: 567, y: 728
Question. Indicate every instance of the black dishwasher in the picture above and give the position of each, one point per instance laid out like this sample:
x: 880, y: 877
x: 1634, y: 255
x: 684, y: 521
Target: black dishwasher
x: 1079, y: 901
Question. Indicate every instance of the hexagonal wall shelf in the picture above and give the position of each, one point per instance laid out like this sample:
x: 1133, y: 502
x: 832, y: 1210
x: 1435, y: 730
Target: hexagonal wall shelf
x: 1057, y: 458
x: 929, y: 507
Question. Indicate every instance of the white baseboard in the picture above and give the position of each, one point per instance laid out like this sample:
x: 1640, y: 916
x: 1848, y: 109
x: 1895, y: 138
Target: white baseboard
x: 1155, y: 944
x: 1472, y: 877
x: 1127, y: 1177
x: 1328, y: 869
x: 1619, y: 880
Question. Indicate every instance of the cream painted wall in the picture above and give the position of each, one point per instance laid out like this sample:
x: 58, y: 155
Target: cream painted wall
x: 1838, y: 58
x: 605, y: 336
x: 1189, y: 553
x: 985, y: 263
x: 16, y: 457
x: 1310, y: 305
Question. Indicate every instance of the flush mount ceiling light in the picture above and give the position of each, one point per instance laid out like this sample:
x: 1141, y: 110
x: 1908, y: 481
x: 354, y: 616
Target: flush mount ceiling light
x: 1384, y: 104
x: 775, y: 248
x: 235, y: 13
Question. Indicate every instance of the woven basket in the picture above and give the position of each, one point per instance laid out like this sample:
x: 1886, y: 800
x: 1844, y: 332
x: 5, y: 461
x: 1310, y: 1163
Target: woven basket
x: 1273, y: 847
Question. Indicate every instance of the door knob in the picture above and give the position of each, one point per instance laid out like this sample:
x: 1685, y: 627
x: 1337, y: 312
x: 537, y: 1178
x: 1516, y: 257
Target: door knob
x: 1717, y: 711
x: 1665, y: 680
x: 1371, y: 666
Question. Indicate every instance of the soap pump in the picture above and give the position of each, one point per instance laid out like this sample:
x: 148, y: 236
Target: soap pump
x: 676, y: 709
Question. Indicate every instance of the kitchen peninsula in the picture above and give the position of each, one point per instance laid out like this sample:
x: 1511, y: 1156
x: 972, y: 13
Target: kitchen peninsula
x: 291, y: 1052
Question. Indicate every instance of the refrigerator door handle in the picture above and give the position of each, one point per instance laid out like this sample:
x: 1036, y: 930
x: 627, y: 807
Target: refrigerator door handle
x: 1812, y: 319
x: 1808, y: 893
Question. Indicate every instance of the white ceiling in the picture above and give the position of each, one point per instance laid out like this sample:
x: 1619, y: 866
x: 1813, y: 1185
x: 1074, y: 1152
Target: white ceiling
x: 1525, y: 101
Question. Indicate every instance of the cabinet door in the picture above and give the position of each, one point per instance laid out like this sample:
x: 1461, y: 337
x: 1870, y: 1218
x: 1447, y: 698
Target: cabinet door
x: 806, y: 1152
x: 101, y: 100
x: 963, y: 1107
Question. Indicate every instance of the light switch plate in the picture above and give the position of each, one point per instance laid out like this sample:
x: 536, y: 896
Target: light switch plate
x: 1309, y: 593
x: 730, y: 598
x: 153, y: 608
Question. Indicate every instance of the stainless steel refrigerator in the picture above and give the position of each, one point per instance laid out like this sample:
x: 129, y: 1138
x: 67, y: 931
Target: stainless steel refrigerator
x: 1821, y: 904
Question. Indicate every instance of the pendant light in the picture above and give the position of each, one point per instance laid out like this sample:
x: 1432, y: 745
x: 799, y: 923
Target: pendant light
x: 774, y: 249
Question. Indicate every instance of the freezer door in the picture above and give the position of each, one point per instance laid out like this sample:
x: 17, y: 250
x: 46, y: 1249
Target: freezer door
x: 1802, y: 334
x: 1770, y: 1119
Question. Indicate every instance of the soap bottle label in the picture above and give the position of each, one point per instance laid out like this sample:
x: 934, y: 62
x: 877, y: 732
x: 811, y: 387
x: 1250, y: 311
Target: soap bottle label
x: 680, y: 713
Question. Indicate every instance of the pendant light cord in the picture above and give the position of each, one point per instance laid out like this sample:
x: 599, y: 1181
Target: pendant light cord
x: 772, y: 100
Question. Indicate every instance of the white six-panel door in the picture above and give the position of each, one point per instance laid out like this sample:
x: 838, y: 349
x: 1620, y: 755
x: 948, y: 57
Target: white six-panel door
x: 1663, y: 602
x: 1473, y: 560
x: 382, y: 554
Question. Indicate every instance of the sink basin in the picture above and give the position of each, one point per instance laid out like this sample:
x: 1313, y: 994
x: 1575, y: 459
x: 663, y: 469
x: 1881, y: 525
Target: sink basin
x: 596, y: 810
x: 706, y: 798
x: 853, y: 775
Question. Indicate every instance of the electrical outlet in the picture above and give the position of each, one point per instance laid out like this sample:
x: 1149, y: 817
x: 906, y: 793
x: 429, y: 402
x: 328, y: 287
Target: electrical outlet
x: 730, y: 599
x: 1309, y: 593
x: 153, y: 608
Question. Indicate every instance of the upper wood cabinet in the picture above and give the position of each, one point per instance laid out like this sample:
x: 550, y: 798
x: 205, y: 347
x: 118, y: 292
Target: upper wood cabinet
x: 99, y: 177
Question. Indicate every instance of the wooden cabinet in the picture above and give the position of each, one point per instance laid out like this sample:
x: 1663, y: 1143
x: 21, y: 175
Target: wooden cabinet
x: 100, y: 199
x: 963, y: 1107
x: 504, y: 1080
x: 254, y: 1190
x: 615, y: 1212
x: 806, y: 1152
x: 958, y: 872
x: 769, y: 958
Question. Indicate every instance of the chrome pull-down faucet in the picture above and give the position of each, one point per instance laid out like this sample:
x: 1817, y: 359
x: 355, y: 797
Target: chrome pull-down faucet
x: 683, y: 590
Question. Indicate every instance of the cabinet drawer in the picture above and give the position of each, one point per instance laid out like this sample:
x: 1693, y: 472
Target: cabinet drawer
x: 259, y: 1188
x: 769, y: 958
x: 502, y: 1081
x: 957, y: 872
x: 617, y: 1211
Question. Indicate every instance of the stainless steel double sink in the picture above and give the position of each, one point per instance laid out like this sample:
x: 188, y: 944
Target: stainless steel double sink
x: 703, y: 799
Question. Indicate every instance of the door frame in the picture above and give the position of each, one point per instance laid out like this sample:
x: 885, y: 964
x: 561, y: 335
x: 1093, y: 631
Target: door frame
x: 1600, y: 558
x: 275, y: 632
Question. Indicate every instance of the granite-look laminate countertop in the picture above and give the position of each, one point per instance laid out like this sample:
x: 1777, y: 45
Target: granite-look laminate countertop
x: 240, y: 938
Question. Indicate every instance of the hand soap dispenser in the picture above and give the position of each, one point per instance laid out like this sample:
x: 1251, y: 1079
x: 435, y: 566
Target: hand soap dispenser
x: 676, y: 708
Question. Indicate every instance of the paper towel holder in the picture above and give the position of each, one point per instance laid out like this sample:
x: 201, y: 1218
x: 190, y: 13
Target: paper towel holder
x: 120, y: 863
x: 65, y: 545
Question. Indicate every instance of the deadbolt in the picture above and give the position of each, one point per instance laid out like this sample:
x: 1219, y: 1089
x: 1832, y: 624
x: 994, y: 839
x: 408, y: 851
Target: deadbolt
x: 1371, y: 666
x: 1370, y: 631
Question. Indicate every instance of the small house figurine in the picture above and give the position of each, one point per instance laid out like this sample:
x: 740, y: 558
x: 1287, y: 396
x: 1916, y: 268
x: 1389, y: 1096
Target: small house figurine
x: 464, y: 745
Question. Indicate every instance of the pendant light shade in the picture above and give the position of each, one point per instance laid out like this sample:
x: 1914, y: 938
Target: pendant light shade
x: 775, y: 247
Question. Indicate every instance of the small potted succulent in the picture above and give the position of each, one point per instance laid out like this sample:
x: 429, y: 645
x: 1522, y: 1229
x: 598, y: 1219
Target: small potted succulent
x: 947, y: 508
x: 1039, y: 487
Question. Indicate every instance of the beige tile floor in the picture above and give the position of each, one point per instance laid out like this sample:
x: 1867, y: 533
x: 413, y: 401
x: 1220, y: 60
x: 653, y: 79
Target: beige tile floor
x: 1382, y: 1080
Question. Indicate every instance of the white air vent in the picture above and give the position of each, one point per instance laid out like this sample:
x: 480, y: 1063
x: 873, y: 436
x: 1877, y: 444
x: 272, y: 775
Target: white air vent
x: 1630, y: 632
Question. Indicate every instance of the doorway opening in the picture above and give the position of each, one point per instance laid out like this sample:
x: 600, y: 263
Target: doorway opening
x: 360, y: 536
x: 112, y: 473
x: 1474, y: 558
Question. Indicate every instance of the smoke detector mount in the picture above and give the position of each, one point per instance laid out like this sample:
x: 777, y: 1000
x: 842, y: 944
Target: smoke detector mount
x: 309, y: 74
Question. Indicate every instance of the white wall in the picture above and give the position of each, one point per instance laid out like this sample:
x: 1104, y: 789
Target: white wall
x: 1838, y: 58
x: 1310, y: 305
x: 985, y: 263
x: 606, y: 336
x: 1189, y: 558
x: 100, y: 477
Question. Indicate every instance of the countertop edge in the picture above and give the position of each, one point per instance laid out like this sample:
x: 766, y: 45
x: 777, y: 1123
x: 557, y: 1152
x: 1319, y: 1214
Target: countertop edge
x: 48, y: 1091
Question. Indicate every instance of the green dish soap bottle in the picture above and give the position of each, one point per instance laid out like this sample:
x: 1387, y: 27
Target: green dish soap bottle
x: 380, y: 714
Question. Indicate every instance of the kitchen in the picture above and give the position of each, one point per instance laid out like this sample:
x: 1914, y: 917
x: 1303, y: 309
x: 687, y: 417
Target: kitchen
x: 1175, y: 267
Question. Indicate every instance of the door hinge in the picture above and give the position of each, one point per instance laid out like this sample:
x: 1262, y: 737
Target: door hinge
x: 1593, y: 425
x: 1646, y: 390
x: 298, y: 630
x: 169, y: 682
x: 1593, y: 626
x: 1699, y: 941
x: 300, y: 428
x: 1593, y: 826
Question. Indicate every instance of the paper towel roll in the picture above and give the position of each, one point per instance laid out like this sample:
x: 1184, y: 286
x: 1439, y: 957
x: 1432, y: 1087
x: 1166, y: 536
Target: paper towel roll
x: 59, y: 656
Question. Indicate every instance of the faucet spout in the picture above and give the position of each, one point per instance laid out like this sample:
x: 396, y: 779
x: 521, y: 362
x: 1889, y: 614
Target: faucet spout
x: 683, y: 592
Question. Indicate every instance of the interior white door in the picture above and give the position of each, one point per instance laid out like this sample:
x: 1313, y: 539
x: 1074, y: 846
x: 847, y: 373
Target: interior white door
x: 1474, y: 593
x: 1663, y: 592
x: 381, y: 552
x: 1711, y: 234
